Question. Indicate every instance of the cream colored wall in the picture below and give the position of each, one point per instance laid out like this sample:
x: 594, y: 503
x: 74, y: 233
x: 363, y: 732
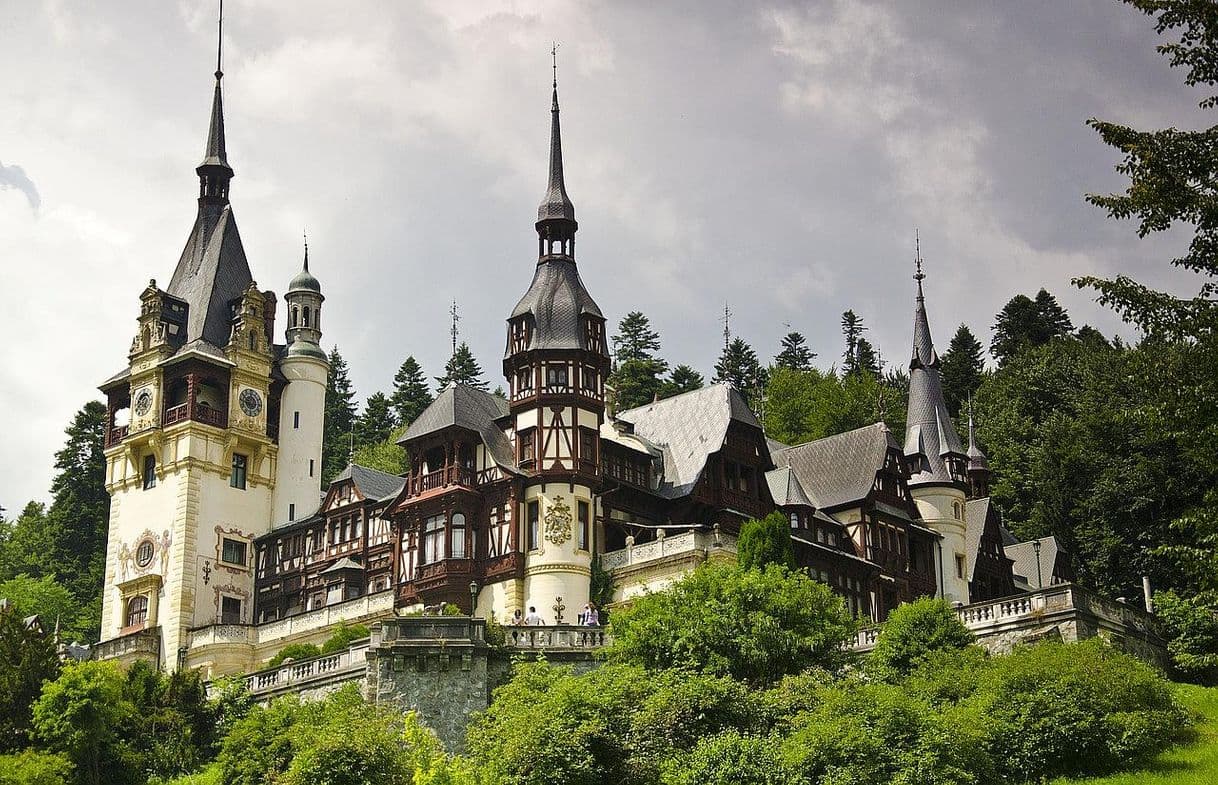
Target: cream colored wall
x: 935, y: 506
x: 304, y: 393
x: 556, y: 569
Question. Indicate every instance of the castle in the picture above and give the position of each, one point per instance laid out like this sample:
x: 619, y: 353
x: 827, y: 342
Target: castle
x: 223, y: 547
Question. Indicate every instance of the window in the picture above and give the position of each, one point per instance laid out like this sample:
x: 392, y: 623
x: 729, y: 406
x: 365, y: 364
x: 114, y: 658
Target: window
x: 143, y: 553
x: 583, y: 514
x: 556, y: 376
x: 306, y: 316
x: 137, y: 611
x: 433, y: 539
x: 237, y: 478
x: 458, y: 535
x: 534, y: 519
x: 230, y: 610
x: 526, y: 445
x: 959, y: 565
x: 587, y: 445
x: 295, y: 316
x: 291, y: 512
x: 295, y: 419
x: 149, y: 471
x: 310, y: 467
x: 524, y: 379
x: 233, y: 552
x: 589, y: 379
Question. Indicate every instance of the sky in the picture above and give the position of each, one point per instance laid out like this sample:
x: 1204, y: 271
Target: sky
x: 776, y: 158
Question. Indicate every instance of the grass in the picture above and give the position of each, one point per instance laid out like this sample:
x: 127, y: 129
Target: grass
x: 1194, y: 763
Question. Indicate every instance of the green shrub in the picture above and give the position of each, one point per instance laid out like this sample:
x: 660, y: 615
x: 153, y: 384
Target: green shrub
x: 753, y: 625
x: 343, y: 636
x: 294, y: 651
x: 729, y: 758
x: 1192, y: 635
x: 913, y: 631
x: 35, y: 768
x: 765, y: 541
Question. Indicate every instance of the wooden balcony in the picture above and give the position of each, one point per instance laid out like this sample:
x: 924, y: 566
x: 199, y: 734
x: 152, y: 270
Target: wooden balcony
x: 116, y: 435
x: 203, y: 414
x: 449, y: 476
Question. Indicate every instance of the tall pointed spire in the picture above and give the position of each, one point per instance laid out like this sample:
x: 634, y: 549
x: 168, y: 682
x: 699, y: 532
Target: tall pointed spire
x: 214, y: 172
x: 931, y: 442
x: 556, y: 205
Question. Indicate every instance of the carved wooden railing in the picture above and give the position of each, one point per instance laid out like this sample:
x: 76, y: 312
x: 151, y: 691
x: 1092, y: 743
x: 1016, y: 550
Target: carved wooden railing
x: 117, y: 434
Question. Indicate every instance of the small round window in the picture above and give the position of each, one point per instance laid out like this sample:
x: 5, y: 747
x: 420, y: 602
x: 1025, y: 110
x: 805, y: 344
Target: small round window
x: 143, y: 553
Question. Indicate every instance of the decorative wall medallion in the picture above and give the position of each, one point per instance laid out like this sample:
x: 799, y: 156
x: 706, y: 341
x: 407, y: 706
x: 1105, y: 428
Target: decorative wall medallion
x: 558, y: 522
x: 143, y: 402
x: 144, y: 550
x: 251, y: 402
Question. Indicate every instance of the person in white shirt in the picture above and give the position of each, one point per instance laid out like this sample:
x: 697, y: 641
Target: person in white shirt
x: 531, y: 619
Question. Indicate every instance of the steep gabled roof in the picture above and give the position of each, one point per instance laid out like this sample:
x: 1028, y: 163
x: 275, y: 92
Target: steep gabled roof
x: 976, y: 515
x: 372, y: 484
x: 840, y: 470
x: 1023, y: 554
x: 688, y: 428
x: 462, y: 406
x: 211, y: 273
x: 785, y: 488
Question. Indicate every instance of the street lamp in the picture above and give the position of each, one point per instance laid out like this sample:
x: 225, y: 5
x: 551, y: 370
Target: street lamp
x: 473, y: 598
x: 1040, y: 583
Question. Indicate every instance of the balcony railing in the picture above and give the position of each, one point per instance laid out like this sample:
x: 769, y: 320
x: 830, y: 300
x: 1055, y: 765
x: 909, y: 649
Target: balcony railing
x: 564, y: 637
x: 443, y: 478
x: 205, y: 414
x: 348, y: 664
x: 690, y: 542
x: 117, y: 434
x: 142, y: 644
x: 174, y: 414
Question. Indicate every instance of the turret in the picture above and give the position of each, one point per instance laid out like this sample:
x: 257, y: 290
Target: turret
x: 979, y: 472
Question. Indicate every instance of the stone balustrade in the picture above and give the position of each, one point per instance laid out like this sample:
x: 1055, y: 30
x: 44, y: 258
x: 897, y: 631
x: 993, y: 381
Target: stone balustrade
x: 313, y: 673
x: 565, y: 637
x: 665, y: 546
x: 142, y: 644
x: 350, y: 611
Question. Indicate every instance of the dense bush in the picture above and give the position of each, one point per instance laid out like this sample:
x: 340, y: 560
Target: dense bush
x: 753, y: 625
x: 294, y: 651
x: 913, y: 631
x: 765, y: 541
x: 729, y: 758
x: 34, y: 768
x: 1191, y: 628
x: 343, y: 636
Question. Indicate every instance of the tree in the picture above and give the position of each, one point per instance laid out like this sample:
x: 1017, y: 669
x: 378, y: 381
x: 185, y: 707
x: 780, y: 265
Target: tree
x: 1024, y: 323
x: 738, y: 366
x: 35, y: 768
x: 764, y: 542
x: 340, y: 418
x: 410, y: 393
x: 681, y: 379
x: 635, y: 339
x: 866, y: 359
x: 852, y: 331
x: 81, y: 715
x: 795, y: 354
x: 47, y: 598
x: 376, y: 423
x: 912, y: 632
x: 462, y: 368
x: 803, y: 406
x: 1191, y: 628
x: 753, y: 625
x: 962, y: 369
x: 387, y: 455
x: 27, y: 660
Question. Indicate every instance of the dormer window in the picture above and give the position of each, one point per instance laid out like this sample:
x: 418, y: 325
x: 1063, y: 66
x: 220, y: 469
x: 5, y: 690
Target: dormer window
x: 556, y: 376
x: 522, y: 334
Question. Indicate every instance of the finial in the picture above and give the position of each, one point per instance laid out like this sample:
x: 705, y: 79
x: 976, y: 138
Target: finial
x: 219, y: 41
x: 554, y: 57
x: 452, y: 311
x: 918, y: 275
x: 306, y: 249
x: 727, y: 330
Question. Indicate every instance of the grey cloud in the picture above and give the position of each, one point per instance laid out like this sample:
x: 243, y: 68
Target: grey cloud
x: 15, y: 177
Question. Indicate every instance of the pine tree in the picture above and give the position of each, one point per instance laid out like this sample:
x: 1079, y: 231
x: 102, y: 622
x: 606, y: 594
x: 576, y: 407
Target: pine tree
x: 78, y: 517
x: 635, y: 339
x: 462, y: 368
x: 1024, y: 322
x: 682, y: 379
x: 852, y: 330
x: 866, y: 358
x: 340, y: 418
x: 795, y: 354
x: 739, y: 367
x: 962, y: 368
x: 376, y: 423
x: 410, y: 393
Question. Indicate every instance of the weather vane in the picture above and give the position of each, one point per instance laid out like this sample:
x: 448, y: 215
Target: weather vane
x: 219, y: 39
x: 554, y: 57
x: 919, y: 275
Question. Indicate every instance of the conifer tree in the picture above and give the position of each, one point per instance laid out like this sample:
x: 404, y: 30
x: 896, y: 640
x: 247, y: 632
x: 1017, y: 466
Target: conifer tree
x: 852, y: 330
x: 462, y: 368
x: 739, y: 367
x: 682, y: 379
x: 635, y: 339
x: 340, y: 418
x: 962, y: 368
x: 376, y: 423
x: 795, y: 354
x: 79, y: 514
x: 637, y: 377
x: 1024, y: 322
x: 866, y: 358
x: 410, y: 393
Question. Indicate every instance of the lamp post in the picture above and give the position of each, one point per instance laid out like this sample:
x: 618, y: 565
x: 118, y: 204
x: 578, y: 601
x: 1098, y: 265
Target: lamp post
x: 473, y: 598
x: 1040, y: 583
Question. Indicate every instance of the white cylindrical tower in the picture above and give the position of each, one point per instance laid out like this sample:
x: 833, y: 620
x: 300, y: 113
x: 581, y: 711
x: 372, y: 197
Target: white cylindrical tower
x: 303, y: 403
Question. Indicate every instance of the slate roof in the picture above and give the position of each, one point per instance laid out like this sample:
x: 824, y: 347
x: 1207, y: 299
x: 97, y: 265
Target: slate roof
x: 467, y: 407
x: 555, y: 205
x: 1023, y: 554
x: 929, y: 431
x: 557, y: 300
x: 975, y: 513
x: 839, y: 470
x: 785, y: 488
x: 688, y: 428
x: 977, y: 460
x: 372, y: 483
x: 211, y: 273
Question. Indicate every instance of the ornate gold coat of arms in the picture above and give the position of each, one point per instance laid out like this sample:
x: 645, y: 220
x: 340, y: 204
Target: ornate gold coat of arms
x: 558, y: 522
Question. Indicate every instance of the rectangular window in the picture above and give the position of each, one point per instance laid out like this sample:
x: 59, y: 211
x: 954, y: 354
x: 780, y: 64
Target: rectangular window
x: 291, y: 512
x: 959, y: 566
x: 230, y: 610
x: 433, y: 539
x: 458, y: 536
x: 233, y: 552
x: 584, y: 513
x: 296, y: 419
x: 149, y: 471
x: 310, y: 467
x: 526, y: 446
x: 587, y: 445
x: 237, y: 478
x: 556, y: 376
x: 534, y: 520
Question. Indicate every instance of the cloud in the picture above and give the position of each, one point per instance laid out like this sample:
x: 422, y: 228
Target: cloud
x: 15, y: 177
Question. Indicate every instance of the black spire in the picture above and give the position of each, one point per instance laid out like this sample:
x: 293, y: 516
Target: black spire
x: 556, y: 223
x: 215, y: 173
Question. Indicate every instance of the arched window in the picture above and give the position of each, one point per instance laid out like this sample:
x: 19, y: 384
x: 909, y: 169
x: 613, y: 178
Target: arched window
x: 295, y: 315
x: 306, y: 316
x: 137, y: 610
x: 458, y: 535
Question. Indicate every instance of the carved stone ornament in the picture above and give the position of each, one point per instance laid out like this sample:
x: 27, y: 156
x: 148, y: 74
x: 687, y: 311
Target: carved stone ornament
x: 558, y: 522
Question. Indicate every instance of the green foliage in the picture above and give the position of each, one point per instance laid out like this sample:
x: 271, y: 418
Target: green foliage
x: 795, y: 354
x: 231, y: 701
x: 636, y: 382
x: 1191, y: 627
x: 912, y: 632
x: 387, y: 456
x: 962, y: 369
x: 27, y: 660
x: 294, y: 651
x: 739, y: 367
x: 339, y: 418
x: 681, y: 379
x: 171, y: 724
x: 805, y: 405
x: 600, y: 588
x: 410, y: 393
x: 377, y: 421
x: 46, y: 598
x: 462, y: 368
x: 852, y: 330
x: 343, y: 636
x: 729, y: 758
x: 35, y: 768
x: 81, y: 716
x: 753, y: 625
x: 635, y: 340
x: 764, y: 542
x: 1024, y: 323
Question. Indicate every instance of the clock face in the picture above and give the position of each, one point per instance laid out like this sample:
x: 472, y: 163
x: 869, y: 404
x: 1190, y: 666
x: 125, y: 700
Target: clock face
x: 143, y: 402
x: 251, y: 402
